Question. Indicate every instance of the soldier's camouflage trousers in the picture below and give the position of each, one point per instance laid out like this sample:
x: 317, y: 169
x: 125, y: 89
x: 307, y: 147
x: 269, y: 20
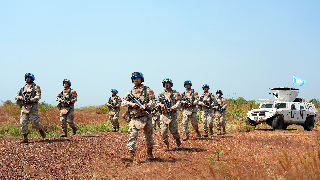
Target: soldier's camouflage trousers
x: 155, y: 121
x: 193, y: 119
x: 207, y: 118
x: 67, y: 118
x: 134, y: 126
x: 172, y: 126
x: 220, y: 124
x: 34, y: 118
x: 114, y: 118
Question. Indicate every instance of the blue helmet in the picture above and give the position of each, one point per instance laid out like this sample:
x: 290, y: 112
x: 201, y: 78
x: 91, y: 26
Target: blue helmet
x: 187, y: 82
x: 114, y: 91
x: 167, y: 80
x: 205, y: 86
x: 137, y: 74
x: 219, y: 91
x: 29, y: 75
x: 66, y: 80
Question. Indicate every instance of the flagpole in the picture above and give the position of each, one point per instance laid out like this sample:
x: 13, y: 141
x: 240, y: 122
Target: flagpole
x: 293, y: 82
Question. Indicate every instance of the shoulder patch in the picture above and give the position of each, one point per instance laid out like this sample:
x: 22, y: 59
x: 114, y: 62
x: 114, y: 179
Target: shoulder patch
x: 38, y: 87
x: 195, y: 93
x: 178, y: 94
x: 151, y: 92
x: 212, y: 95
x: 74, y: 92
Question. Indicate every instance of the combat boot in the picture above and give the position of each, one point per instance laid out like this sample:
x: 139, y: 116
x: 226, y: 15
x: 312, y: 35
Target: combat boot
x: 211, y: 131
x: 187, y: 137
x: 74, y: 130
x: 223, y: 130
x: 167, y: 146
x: 198, y: 133
x: 178, y: 142
x: 42, y: 133
x: 205, y: 134
x: 114, y: 129
x: 25, y: 138
x: 129, y: 156
x: 65, y: 134
x: 150, y: 156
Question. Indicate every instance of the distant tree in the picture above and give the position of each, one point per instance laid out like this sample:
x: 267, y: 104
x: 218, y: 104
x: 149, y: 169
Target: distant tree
x: 316, y: 102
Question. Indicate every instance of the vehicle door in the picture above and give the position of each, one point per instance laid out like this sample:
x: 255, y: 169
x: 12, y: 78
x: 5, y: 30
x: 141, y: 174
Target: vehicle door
x: 303, y: 113
x: 295, y: 112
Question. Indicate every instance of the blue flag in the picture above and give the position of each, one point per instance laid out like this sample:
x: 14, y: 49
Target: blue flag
x: 298, y: 81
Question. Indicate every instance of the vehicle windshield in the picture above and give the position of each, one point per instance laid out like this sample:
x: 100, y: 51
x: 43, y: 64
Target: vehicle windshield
x: 266, y: 105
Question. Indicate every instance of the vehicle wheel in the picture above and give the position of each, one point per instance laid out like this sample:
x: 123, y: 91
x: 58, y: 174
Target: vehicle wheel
x: 308, y: 124
x: 277, y: 123
x: 285, y: 126
x: 250, y: 122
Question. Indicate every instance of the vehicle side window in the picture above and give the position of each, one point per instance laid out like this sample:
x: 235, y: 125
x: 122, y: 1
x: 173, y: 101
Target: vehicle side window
x: 301, y: 107
x: 282, y: 105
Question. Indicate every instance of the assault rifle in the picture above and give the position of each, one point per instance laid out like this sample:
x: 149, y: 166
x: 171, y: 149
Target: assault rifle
x: 205, y: 102
x: 166, y: 104
x: 64, y: 98
x: 25, y: 98
x: 111, y: 102
x: 185, y: 98
x: 219, y: 107
x: 137, y: 101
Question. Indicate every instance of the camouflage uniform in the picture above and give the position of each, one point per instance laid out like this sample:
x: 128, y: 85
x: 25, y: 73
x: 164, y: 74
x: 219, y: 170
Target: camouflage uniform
x: 30, y: 110
x: 169, y: 121
x: 114, y: 112
x: 220, y: 115
x: 190, y: 112
x: 207, y: 113
x: 140, y: 119
x: 155, y: 118
x: 67, y: 110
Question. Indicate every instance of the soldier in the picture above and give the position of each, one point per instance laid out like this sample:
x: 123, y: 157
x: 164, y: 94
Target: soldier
x: 155, y: 118
x: 66, y: 99
x: 28, y: 98
x: 206, y: 103
x: 220, y: 109
x: 189, y: 109
x: 169, y: 101
x: 139, y: 116
x: 113, y: 104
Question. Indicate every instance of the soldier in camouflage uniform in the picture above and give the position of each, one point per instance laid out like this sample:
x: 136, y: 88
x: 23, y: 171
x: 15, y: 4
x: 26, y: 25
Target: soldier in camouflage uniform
x: 28, y: 98
x: 139, y: 116
x: 189, y: 109
x: 168, y: 120
x: 66, y: 99
x: 113, y: 104
x: 220, y: 110
x: 206, y: 102
x: 155, y: 118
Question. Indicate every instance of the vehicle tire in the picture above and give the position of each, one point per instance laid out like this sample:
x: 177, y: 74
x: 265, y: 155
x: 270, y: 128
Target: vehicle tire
x: 308, y: 124
x: 285, y: 126
x: 250, y: 122
x: 277, y: 123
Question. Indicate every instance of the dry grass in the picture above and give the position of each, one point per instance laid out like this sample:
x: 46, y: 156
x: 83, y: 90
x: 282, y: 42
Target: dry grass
x: 243, y: 153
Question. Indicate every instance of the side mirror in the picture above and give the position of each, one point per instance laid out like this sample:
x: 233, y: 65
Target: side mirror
x: 277, y: 106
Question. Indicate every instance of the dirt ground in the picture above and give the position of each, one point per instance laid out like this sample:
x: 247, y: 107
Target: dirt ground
x: 262, y: 154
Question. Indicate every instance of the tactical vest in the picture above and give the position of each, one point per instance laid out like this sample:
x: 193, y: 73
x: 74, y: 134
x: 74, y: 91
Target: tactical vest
x: 31, y: 94
x: 192, y: 95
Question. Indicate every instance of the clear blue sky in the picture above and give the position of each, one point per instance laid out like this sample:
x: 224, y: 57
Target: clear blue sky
x: 240, y: 47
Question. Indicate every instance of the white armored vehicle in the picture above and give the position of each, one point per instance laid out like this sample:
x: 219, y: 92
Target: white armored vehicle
x: 285, y: 109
